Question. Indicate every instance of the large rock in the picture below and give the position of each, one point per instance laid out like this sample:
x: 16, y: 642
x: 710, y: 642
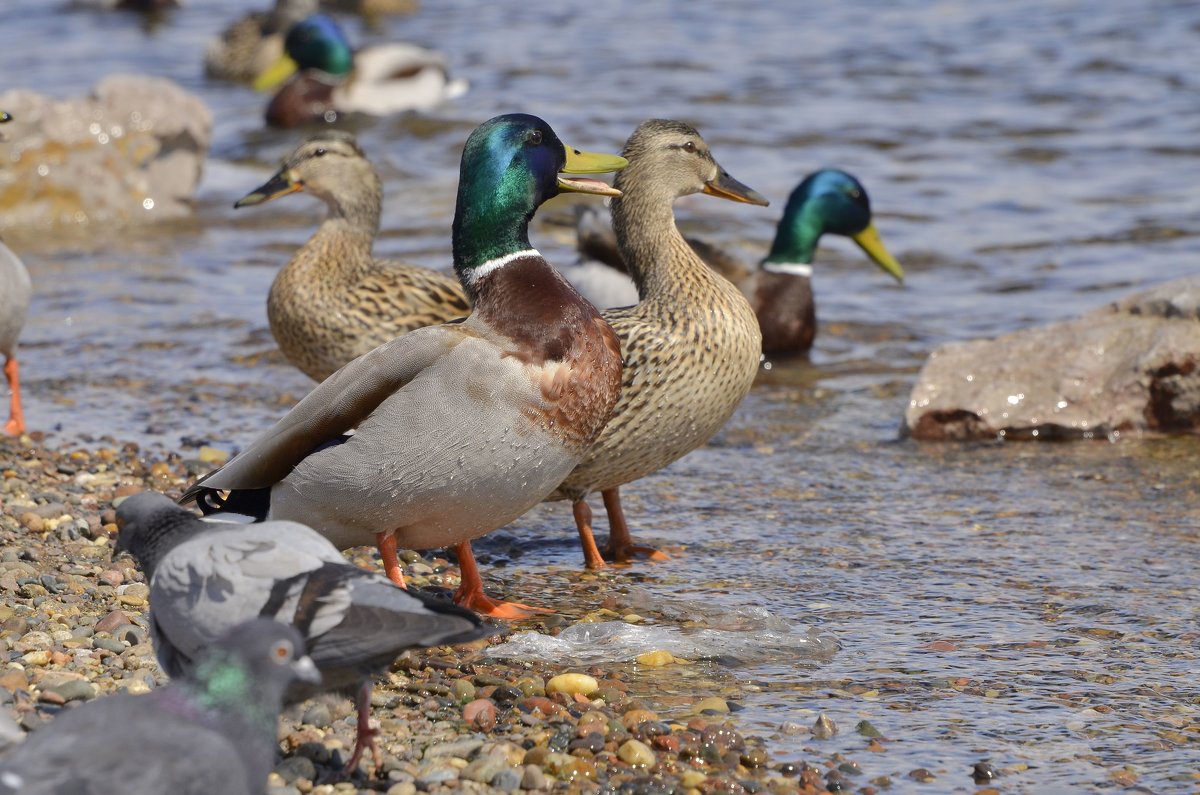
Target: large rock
x: 1129, y: 366
x: 132, y: 151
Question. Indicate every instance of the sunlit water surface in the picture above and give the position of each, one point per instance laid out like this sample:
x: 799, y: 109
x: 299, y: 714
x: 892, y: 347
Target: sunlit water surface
x: 1032, y: 605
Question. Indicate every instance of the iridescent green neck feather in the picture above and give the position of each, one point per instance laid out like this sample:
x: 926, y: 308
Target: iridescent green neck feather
x: 223, y: 683
x: 826, y: 201
x: 509, y: 167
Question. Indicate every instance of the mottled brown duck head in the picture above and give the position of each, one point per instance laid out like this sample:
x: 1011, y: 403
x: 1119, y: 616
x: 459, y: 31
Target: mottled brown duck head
x: 670, y: 156
x: 330, y: 166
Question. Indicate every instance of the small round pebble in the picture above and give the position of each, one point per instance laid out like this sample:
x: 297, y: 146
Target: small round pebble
x: 572, y: 683
x: 636, y: 753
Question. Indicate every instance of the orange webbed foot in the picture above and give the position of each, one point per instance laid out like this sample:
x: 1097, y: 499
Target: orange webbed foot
x: 470, y: 593
x: 625, y: 553
x: 494, y: 608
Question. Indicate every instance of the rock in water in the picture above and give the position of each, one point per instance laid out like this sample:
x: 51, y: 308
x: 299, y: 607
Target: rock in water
x: 1129, y: 366
x: 132, y: 151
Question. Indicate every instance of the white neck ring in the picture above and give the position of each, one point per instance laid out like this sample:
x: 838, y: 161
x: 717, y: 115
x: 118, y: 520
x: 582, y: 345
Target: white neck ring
x: 790, y: 268
x: 496, y: 264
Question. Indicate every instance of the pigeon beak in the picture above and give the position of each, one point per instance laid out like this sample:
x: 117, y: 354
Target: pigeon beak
x: 306, y: 670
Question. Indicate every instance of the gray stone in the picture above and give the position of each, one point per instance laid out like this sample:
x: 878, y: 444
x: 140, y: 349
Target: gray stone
x: 436, y: 773
x: 507, y: 780
x: 318, y: 715
x: 533, y: 778
x: 74, y: 690
x: 483, y: 770
x: 1128, y: 366
x: 461, y: 748
x: 132, y: 151
x: 296, y: 767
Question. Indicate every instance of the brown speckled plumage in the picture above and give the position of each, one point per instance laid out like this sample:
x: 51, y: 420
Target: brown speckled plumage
x: 691, y: 346
x: 334, y: 300
x: 579, y: 372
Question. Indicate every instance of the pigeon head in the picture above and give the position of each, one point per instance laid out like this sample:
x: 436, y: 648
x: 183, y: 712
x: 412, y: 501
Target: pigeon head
x: 149, y: 524
x: 248, y: 670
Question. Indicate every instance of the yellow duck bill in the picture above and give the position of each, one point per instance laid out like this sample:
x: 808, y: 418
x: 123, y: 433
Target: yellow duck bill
x: 870, y: 242
x: 276, y: 73
x: 580, y: 162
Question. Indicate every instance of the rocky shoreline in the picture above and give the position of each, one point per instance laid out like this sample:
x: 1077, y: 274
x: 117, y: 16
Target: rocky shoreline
x: 73, y: 626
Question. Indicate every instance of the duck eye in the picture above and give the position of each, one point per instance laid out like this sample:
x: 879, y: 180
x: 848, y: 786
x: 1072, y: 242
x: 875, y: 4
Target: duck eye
x: 855, y: 193
x: 690, y: 147
x: 534, y: 138
x: 281, y: 652
x: 320, y: 152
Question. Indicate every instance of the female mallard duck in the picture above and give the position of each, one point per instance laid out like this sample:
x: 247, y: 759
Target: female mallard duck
x: 15, y: 293
x: 691, y: 346
x: 780, y: 289
x: 249, y: 46
x: 372, y: 8
x: 332, y: 79
x: 334, y: 301
x: 458, y: 428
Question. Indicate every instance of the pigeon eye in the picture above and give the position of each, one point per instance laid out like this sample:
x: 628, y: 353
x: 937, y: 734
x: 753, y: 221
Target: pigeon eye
x: 281, y: 652
x: 534, y: 138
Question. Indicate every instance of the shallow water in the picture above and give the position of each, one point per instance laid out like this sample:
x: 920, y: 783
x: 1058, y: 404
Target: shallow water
x: 1025, y: 163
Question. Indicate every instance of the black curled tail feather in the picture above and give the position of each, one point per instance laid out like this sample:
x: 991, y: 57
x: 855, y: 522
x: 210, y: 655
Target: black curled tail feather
x: 255, y: 503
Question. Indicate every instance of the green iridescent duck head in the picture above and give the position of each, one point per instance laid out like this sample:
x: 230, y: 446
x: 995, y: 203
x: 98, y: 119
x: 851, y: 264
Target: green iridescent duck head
x: 834, y: 202
x: 316, y: 42
x: 511, y: 165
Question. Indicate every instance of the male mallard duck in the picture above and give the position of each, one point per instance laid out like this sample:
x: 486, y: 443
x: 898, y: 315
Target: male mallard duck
x: 15, y: 294
x: 691, y: 346
x: 780, y: 289
x: 379, y: 80
x: 333, y: 301
x: 458, y: 428
x: 249, y: 46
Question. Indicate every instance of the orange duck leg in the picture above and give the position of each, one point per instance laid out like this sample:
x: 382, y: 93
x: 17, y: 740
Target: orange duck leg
x: 470, y: 593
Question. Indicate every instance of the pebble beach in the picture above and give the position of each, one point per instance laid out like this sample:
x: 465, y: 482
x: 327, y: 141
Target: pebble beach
x: 73, y: 627
x: 980, y: 617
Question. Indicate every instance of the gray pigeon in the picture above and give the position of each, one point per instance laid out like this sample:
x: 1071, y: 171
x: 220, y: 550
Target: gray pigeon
x: 205, y: 576
x: 214, y: 730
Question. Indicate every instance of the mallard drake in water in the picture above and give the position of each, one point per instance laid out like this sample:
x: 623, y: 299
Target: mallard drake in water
x: 691, y: 346
x: 334, y: 301
x: 780, y: 288
x: 826, y: 201
x: 251, y: 44
x: 333, y: 79
x: 459, y: 428
x: 15, y: 294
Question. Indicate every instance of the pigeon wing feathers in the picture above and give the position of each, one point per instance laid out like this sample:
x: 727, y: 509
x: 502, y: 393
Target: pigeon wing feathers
x: 377, y: 621
x: 213, y: 582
